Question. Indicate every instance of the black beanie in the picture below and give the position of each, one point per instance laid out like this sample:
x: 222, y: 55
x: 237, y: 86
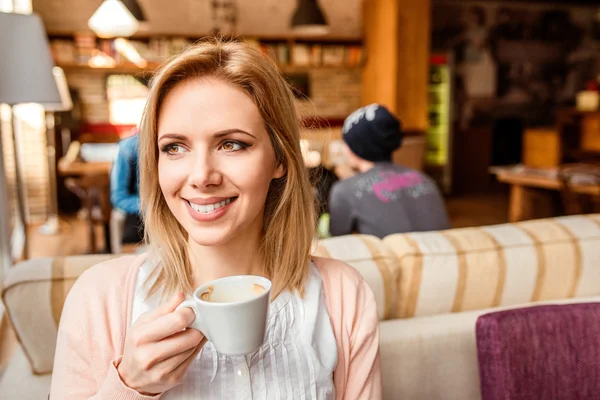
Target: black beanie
x: 372, y: 133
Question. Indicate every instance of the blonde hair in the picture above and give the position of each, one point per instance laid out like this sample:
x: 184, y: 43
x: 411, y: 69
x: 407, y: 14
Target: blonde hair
x: 289, y: 220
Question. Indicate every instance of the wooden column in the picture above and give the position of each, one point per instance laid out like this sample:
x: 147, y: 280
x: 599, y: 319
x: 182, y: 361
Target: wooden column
x: 379, y: 82
x: 397, y: 43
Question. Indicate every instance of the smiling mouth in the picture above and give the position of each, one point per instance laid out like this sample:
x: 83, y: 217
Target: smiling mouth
x: 208, y: 208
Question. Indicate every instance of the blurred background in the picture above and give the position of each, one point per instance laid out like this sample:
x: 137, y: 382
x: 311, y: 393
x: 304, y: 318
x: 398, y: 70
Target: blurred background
x: 498, y: 100
x: 476, y: 85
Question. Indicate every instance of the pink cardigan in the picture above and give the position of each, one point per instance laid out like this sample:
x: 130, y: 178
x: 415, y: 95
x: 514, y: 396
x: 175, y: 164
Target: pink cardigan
x: 97, y: 312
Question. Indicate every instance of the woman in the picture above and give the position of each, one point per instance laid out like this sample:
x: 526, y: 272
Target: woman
x: 224, y: 192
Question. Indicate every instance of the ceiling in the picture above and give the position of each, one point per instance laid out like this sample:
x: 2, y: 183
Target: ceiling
x: 193, y: 17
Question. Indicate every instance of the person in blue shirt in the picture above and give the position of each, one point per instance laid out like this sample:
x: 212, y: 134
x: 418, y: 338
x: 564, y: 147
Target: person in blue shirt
x: 124, y: 188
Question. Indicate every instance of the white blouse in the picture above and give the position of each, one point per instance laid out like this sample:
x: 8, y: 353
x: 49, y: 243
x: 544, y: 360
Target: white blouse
x: 296, y: 361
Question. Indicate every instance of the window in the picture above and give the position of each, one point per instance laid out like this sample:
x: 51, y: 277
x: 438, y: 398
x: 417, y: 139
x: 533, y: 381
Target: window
x: 126, y: 99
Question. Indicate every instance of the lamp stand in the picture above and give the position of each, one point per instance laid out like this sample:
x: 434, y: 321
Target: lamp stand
x: 52, y: 225
x: 20, y: 184
x: 5, y: 250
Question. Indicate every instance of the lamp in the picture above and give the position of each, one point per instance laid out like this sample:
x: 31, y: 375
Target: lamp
x: 25, y: 77
x: 135, y: 9
x: 52, y: 225
x: 309, y: 20
x: 113, y: 19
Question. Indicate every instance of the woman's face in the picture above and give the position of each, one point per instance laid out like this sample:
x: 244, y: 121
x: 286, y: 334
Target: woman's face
x: 216, y: 160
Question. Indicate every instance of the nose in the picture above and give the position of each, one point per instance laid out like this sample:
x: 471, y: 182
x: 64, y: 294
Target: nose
x: 205, y: 172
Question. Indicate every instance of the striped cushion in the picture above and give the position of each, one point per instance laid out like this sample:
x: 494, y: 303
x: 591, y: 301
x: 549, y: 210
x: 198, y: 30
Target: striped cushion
x: 372, y: 259
x: 33, y: 294
x: 502, y: 265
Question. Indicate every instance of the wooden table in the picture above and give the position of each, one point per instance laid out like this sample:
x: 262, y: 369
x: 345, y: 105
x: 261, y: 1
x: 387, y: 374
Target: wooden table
x: 534, y: 193
x: 92, y: 182
x: 80, y: 168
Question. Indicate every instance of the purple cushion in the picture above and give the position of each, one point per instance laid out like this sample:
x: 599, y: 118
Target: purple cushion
x: 545, y: 352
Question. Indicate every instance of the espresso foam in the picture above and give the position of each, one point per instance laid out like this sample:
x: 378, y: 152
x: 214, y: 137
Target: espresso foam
x: 232, y: 293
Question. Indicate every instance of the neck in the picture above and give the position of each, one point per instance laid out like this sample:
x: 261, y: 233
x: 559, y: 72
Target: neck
x: 365, y: 165
x: 239, y: 256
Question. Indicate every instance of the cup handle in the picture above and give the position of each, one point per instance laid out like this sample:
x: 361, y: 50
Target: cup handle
x: 197, y: 323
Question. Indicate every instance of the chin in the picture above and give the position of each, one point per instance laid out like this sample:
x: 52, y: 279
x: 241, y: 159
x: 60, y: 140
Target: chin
x: 210, y: 237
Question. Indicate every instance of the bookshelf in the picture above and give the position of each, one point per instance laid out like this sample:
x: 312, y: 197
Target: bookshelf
x: 128, y: 68
x: 291, y: 54
x: 124, y: 68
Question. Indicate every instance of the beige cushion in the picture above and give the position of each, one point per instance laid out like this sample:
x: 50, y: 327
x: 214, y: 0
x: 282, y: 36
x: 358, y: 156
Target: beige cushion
x: 372, y: 259
x: 18, y: 382
x: 478, y: 268
x: 34, y: 293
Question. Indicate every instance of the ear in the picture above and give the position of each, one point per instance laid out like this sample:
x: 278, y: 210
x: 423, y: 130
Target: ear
x: 280, y: 171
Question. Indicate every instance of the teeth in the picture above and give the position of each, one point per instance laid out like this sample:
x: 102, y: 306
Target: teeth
x: 207, y: 208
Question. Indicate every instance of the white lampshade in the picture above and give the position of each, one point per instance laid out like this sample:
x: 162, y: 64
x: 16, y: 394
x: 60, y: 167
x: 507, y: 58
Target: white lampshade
x: 113, y: 19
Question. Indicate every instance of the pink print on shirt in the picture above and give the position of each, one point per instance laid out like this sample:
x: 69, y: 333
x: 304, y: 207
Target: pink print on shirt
x: 393, y: 183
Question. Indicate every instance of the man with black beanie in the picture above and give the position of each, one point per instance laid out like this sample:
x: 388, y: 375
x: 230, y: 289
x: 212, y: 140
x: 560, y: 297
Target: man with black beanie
x: 383, y: 198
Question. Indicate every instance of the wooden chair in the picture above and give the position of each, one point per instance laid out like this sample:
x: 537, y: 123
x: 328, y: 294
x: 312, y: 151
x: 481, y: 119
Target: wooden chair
x: 580, y: 188
x: 90, y: 181
x: 94, y: 192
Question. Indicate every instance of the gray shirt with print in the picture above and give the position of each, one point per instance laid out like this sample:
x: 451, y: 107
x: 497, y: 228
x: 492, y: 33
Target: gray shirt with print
x: 387, y: 199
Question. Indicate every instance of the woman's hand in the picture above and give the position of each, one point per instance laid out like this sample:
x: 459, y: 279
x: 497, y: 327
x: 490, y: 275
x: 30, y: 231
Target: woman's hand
x: 159, y: 348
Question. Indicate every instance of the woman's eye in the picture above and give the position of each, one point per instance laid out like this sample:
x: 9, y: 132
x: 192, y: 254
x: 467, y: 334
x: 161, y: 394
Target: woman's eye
x: 173, y: 149
x: 233, y: 146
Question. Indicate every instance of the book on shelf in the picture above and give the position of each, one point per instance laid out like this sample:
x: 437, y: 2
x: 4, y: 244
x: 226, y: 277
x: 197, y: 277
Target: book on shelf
x: 354, y: 55
x: 302, y: 55
x: 334, y: 55
x: 63, y: 51
x: 283, y: 54
x: 155, y: 50
x: 316, y: 55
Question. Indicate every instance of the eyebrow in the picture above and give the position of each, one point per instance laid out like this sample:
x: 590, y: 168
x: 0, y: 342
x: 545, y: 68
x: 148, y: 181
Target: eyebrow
x: 234, y: 130
x: 218, y: 134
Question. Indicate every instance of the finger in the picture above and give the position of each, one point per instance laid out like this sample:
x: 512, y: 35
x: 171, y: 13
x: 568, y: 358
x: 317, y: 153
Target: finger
x: 168, y: 367
x: 165, y: 367
x: 163, y: 309
x: 176, y: 344
x: 167, y: 325
x: 180, y: 370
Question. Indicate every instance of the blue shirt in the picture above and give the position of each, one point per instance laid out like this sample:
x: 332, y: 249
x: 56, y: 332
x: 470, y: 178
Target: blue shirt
x: 124, y: 179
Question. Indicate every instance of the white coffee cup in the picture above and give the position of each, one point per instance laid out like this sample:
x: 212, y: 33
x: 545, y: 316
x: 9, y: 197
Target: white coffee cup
x: 232, y: 312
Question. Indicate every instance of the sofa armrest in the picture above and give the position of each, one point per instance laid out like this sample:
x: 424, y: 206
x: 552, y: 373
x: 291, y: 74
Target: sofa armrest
x: 33, y: 293
x: 430, y: 358
x: 435, y: 357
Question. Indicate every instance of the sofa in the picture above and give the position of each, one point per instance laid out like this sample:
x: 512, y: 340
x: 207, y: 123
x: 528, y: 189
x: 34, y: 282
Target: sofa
x: 430, y: 289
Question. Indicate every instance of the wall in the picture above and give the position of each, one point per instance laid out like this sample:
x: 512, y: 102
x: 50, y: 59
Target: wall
x: 335, y: 93
x: 522, y: 60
